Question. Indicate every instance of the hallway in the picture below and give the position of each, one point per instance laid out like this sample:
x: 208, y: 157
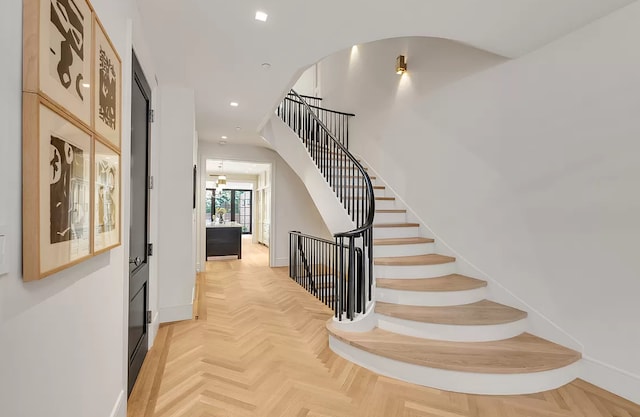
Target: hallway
x: 259, y: 348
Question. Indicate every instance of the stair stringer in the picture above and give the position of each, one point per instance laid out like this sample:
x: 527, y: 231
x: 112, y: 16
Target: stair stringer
x: 292, y: 150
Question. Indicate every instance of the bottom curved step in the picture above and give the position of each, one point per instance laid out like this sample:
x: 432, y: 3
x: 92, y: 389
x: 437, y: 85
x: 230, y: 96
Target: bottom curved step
x: 521, y: 365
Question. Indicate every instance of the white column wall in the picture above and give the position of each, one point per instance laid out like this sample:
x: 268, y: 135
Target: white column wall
x: 174, y: 185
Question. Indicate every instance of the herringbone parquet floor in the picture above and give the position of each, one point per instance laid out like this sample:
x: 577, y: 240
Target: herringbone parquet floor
x: 260, y: 348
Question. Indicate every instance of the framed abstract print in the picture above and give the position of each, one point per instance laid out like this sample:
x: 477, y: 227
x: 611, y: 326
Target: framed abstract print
x: 72, y: 108
x: 107, y: 86
x: 57, y: 189
x: 57, y: 53
x: 106, y: 198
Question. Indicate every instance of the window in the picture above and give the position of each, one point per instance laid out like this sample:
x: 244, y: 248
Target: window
x: 237, y: 205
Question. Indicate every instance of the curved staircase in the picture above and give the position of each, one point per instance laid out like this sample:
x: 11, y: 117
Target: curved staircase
x: 401, y: 309
x: 434, y: 327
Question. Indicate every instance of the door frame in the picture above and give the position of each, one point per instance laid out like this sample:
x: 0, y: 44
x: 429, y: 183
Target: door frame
x: 201, y: 250
x: 136, y: 67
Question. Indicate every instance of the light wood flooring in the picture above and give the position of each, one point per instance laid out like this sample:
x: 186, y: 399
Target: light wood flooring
x: 259, y: 348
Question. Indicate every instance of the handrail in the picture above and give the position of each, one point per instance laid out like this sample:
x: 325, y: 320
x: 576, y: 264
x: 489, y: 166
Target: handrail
x: 353, y: 186
x: 303, y: 96
x: 372, y: 210
x: 319, y: 239
x: 321, y: 108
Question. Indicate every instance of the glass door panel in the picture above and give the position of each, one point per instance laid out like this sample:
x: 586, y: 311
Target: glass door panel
x: 243, y: 209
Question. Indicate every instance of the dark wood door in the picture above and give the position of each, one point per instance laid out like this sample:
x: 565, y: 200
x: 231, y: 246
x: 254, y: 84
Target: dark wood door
x: 139, y: 229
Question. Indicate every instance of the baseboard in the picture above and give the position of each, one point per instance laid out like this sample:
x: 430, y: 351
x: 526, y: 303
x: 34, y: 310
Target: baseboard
x: 617, y: 381
x: 153, y: 328
x: 176, y: 313
x: 282, y: 262
x: 118, y: 408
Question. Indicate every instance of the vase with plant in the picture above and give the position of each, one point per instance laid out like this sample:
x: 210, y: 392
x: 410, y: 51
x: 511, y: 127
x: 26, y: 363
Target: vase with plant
x: 220, y: 213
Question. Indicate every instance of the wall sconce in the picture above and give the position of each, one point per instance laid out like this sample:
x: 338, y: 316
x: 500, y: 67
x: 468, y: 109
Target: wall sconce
x: 222, y: 180
x: 401, y: 65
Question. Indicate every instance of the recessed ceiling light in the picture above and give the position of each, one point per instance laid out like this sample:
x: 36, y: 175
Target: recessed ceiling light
x: 238, y: 128
x: 266, y: 65
x: 261, y: 16
x: 234, y: 104
x: 222, y: 142
x: 223, y: 137
x: 86, y: 85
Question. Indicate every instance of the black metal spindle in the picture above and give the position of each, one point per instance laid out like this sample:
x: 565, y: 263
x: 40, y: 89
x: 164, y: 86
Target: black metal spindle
x: 339, y: 273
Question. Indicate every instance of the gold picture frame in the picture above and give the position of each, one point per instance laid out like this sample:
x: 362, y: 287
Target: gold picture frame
x: 72, y: 122
x: 106, y: 197
x: 57, y: 199
x: 58, y: 51
x: 107, y: 81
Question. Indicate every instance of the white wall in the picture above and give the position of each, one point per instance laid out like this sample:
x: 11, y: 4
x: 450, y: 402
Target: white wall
x: 307, y: 84
x: 528, y: 169
x: 63, y: 339
x: 288, y: 145
x: 292, y: 207
x: 174, y: 185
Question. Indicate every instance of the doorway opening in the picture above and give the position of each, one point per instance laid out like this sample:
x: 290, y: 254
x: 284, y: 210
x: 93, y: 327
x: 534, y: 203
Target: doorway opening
x: 237, y: 195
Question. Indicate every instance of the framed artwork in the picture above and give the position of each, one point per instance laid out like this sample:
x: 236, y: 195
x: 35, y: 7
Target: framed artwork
x: 106, y: 199
x: 72, y: 117
x: 107, y: 86
x: 57, y: 46
x: 57, y: 196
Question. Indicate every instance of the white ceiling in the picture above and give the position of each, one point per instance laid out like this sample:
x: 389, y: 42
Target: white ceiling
x: 217, y: 47
x: 217, y: 167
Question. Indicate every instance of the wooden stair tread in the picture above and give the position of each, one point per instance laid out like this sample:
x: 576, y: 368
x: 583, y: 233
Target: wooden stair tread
x: 482, y: 313
x: 386, y: 198
x: 392, y: 211
x: 375, y: 187
x: 524, y: 353
x: 358, y: 176
x: 402, y: 241
x: 383, y: 225
x: 433, y: 259
x: 453, y: 282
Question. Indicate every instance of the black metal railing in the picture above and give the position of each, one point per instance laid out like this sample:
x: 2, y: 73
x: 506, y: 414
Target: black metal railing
x: 352, y: 185
x: 313, y: 262
x: 336, y: 122
x: 317, y: 265
x: 314, y: 101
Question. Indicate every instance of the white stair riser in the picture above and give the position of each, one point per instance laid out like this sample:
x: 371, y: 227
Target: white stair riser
x: 393, y: 232
x: 390, y: 217
x: 466, y: 382
x: 430, y: 298
x: 361, y: 323
x: 453, y: 333
x: 385, y: 204
x: 382, y: 251
x: 415, y: 271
